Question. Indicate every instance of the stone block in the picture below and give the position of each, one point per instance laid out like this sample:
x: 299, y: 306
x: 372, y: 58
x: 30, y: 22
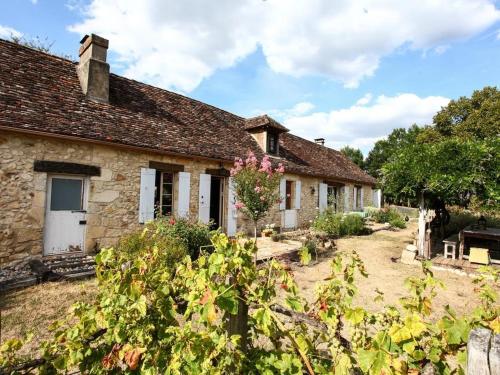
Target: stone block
x: 408, y: 257
x: 105, y: 196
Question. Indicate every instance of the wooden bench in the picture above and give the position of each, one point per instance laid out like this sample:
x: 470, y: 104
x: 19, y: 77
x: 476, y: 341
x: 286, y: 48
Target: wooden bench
x: 450, y: 246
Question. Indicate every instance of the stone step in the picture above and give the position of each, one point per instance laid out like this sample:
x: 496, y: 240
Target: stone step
x: 80, y: 275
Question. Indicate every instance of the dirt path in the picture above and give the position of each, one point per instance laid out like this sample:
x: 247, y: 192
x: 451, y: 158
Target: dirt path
x: 376, y: 251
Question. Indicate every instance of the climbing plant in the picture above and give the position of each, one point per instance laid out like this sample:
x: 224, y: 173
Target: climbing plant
x: 152, y: 317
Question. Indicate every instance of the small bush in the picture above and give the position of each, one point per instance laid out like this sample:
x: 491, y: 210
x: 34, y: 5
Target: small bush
x: 191, y: 234
x: 389, y: 215
x: 352, y: 225
x: 329, y: 222
x: 152, y: 236
x: 338, y: 225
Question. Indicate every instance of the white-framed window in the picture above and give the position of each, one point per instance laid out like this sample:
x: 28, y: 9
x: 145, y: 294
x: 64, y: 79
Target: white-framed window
x: 164, y: 193
x: 333, y: 196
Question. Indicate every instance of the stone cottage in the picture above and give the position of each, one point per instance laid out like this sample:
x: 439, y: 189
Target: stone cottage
x: 86, y: 156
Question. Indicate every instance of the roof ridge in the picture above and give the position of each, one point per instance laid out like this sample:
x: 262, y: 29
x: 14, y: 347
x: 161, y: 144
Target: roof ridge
x: 19, y: 45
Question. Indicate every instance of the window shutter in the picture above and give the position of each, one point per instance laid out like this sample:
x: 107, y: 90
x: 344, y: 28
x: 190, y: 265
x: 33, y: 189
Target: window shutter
x: 204, y: 198
x: 184, y: 194
x: 361, y: 204
x: 283, y: 194
x: 147, y: 195
x: 232, y: 213
x: 323, y: 196
x: 298, y: 186
x: 346, y: 198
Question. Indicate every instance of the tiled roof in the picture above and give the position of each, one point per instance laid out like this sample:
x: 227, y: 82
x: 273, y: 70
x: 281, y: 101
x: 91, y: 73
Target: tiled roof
x: 264, y: 121
x: 41, y: 93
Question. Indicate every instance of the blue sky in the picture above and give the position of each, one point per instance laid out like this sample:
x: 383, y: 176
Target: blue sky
x: 346, y: 71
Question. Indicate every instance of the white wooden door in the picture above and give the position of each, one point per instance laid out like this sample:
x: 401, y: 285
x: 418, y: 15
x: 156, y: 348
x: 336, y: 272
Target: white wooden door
x: 65, y: 214
x: 204, y: 198
x: 184, y: 194
x: 147, y: 195
x: 232, y: 213
x: 323, y: 196
x: 290, y: 219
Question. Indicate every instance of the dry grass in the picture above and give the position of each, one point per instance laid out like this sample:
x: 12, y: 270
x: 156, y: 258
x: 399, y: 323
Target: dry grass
x: 31, y: 310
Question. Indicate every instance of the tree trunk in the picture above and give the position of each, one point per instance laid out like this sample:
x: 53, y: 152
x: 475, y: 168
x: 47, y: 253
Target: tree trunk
x: 238, y: 324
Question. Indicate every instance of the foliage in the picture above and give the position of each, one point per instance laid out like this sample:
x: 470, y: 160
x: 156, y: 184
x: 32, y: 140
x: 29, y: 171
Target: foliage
x: 354, y: 154
x: 192, y: 234
x: 337, y: 225
x: 389, y: 215
x: 384, y: 149
x: 37, y: 43
x: 454, y: 170
x: 152, y: 318
x: 256, y: 186
x: 455, y: 159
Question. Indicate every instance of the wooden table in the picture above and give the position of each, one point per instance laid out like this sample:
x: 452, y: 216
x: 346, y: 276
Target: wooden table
x: 484, y: 234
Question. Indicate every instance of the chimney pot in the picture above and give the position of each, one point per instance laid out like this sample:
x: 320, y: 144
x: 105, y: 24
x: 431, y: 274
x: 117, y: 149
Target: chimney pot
x: 320, y: 141
x: 93, y: 70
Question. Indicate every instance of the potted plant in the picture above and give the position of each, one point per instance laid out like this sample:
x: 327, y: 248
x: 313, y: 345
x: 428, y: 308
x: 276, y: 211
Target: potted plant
x: 268, y: 230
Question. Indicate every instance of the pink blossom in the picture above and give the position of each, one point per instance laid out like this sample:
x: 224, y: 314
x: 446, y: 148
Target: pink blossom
x: 258, y: 189
x: 262, y: 198
x: 251, y: 159
x: 239, y: 205
x: 281, y: 168
x: 265, y: 165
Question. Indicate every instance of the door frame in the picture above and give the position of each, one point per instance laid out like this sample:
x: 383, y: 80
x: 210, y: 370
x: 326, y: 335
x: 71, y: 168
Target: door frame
x: 85, y: 197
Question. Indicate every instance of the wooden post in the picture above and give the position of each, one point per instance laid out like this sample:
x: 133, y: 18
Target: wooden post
x: 422, y: 213
x: 478, y: 348
x: 495, y: 355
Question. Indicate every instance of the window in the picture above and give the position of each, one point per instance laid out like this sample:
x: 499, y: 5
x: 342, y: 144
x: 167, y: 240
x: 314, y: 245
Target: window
x: 66, y: 194
x: 332, y: 196
x: 272, y: 143
x: 164, y: 193
x: 290, y: 195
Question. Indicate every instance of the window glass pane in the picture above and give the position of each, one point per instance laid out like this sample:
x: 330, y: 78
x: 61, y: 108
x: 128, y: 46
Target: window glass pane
x: 66, y: 194
x: 167, y: 177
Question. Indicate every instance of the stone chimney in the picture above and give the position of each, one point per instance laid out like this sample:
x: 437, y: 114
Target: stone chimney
x: 320, y: 141
x: 93, y: 70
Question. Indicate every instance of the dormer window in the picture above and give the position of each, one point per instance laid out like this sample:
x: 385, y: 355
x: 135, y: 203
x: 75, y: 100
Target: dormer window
x: 266, y: 132
x: 272, y: 143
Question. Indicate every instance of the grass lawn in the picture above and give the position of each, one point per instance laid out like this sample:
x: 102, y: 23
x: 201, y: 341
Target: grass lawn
x: 33, y: 309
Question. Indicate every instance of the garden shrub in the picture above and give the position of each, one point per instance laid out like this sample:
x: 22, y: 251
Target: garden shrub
x: 352, y: 225
x: 389, y: 215
x: 152, y: 236
x: 338, y: 225
x: 192, y: 234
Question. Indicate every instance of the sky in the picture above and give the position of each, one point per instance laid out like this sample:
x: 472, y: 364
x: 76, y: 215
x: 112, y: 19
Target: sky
x: 347, y: 71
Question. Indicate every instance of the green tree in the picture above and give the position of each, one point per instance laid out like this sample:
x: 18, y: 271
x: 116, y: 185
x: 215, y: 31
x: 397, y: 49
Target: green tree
x: 476, y: 117
x: 256, y: 186
x: 355, y: 155
x: 385, y: 148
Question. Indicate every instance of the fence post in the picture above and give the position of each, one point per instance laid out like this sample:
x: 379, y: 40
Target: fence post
x: 478, y: 348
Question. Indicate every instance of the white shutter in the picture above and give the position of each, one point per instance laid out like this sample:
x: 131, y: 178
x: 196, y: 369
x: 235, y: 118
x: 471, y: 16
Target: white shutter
x: 232, y: 213
x: 147, y: 195
x: 362, y: 204
x: 204, y: 198
x: 184, y: 194
x: 283, y: 194
x: 323, y: 196
x: 346, y: 198
x: 298, y: 186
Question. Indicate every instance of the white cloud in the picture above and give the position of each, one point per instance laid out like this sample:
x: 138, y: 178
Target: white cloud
x: 177, y: 44
x: 299, y: 109
x: 34, y: 2
x: 6, y: 32
x: 361, y: 125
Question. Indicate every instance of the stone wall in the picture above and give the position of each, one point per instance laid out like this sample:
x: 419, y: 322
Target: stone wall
x: 113, y: 197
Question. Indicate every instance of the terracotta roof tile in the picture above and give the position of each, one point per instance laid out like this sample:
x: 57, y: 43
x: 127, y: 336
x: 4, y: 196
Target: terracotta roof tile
x: 41, y: 92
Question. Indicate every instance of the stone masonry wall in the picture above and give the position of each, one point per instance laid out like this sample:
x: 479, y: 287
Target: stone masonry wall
x: 113, y: 197
x: 113, y: 202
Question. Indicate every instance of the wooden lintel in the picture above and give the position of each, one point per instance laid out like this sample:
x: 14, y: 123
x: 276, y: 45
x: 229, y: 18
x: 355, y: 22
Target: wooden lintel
x: 221, y: 172
x: 166, y: 167
x: 65, y: 167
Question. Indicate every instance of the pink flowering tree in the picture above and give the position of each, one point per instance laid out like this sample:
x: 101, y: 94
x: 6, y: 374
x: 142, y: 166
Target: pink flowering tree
x: 256, y: 186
